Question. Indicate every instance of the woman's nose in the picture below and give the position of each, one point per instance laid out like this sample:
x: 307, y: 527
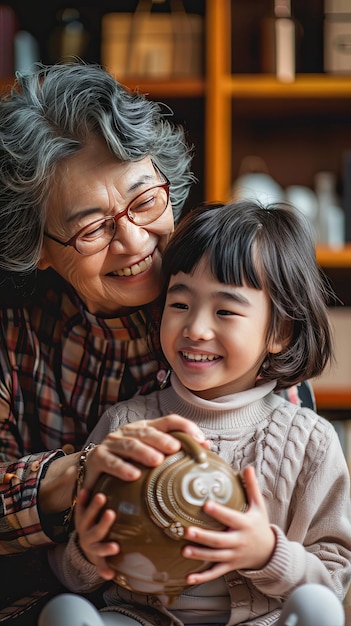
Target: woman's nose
x: 128, y: 238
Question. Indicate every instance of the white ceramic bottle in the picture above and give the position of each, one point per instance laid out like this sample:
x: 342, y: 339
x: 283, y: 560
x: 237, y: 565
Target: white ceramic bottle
x: 331, y: 217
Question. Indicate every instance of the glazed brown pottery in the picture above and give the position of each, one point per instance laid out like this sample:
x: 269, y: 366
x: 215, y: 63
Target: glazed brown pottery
x: 154, y: 511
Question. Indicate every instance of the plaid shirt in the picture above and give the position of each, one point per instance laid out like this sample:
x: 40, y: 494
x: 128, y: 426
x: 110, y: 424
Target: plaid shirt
x: 60, y: 368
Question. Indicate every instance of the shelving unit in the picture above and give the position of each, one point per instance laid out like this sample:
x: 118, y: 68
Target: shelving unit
x: 335, y: 261
x: 220, y: 109
x: 225, y: 91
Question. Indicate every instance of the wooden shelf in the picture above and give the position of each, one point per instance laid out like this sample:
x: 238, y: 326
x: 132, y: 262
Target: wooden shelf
x: 334, y: 257
x: 254, y: 96
x: 238, y: 103
x: 333, y: 399
x: 175, y: 88
x: 304, y: 86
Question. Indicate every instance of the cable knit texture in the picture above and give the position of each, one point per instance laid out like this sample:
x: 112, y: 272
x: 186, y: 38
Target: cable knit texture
x: 304, y: 479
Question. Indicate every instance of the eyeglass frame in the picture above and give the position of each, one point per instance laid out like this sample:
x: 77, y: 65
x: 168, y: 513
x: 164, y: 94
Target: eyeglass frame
x: 72, y: 241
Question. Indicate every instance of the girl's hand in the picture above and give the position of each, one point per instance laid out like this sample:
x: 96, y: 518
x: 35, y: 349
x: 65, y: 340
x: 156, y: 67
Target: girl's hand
x: 92, y: 528
x: 248, y: 543
x: 146, y: 442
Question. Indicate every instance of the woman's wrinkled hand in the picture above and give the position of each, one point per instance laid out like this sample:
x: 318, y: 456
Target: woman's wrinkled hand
x: 146, y: 442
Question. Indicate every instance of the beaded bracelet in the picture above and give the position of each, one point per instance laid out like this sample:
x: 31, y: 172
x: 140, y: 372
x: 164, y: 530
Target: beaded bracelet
x: 81, y: 465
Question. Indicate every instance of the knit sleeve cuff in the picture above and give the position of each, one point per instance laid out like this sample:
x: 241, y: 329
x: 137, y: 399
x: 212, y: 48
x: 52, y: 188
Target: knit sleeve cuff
x: 283, y: 571
x: 73, y: 569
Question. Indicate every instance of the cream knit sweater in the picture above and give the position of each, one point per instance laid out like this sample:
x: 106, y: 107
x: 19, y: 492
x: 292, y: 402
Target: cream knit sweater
x: 304, y: 479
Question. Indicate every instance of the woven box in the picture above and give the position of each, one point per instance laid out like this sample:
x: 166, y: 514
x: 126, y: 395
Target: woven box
x: 144, y: 44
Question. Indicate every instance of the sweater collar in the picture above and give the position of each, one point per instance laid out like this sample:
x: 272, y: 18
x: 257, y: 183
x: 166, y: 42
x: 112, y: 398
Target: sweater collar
x: 227, y: 412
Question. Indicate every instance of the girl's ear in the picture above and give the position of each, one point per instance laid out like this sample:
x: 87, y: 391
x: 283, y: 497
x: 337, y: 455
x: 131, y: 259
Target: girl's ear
x: 279, y: 343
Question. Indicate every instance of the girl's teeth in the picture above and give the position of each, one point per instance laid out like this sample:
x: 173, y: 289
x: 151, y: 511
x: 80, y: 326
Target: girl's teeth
x: 199, y: 357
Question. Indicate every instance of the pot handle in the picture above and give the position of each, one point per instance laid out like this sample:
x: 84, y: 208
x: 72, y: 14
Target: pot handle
x: 197, y: 452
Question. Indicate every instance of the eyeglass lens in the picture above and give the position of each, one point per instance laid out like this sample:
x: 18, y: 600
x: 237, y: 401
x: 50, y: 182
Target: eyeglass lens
x: 144, y: 209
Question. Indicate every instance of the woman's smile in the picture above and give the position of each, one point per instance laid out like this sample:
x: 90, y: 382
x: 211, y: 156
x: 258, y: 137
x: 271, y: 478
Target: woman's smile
x: 135, y: 269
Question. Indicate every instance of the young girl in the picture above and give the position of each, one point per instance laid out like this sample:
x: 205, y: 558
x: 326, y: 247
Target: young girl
x: 245, y: 315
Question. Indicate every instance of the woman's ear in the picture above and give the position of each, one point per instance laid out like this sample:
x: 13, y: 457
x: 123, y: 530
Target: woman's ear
x: 43, y: 262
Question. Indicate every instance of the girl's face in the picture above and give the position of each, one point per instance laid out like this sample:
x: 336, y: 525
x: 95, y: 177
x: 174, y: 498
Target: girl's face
x: 87, y: 186
x: 214, y: 335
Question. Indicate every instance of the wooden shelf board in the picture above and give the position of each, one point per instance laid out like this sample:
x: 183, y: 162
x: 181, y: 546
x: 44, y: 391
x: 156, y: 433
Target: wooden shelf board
x: 334, y: 257
x: 304, y: 86
x: 332, y: 399
x: 173, y: 88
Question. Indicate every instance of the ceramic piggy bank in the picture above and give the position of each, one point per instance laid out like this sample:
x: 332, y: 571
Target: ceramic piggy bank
x: 154, y: 511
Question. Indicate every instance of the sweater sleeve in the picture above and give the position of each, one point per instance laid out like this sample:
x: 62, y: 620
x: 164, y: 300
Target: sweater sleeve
x: 72, y: 568
x: 316, y: 546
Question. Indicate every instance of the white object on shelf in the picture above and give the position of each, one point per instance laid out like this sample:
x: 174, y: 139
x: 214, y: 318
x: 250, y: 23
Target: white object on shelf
x: 279, y: 42
x: 337, y: 36
x: 305, y: 200
x: 331, y: 217
x: 255, y: 183
x: 285, y: 53
x: 26, y: 51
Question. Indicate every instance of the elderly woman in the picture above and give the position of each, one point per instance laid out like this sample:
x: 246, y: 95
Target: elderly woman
x: 89, y: 175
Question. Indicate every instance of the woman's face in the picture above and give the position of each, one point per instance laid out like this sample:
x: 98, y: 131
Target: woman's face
x: 87, y: 186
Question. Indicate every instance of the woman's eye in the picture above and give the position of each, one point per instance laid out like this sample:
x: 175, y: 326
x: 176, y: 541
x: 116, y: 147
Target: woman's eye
x: 95, y: 230
x: 143, y: 203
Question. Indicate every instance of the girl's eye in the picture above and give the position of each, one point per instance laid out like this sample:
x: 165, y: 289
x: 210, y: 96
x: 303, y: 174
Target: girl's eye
x: 179, y: 305
x: 225, y: 312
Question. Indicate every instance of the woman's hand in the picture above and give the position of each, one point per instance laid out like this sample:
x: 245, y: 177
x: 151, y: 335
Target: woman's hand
x: 248, y: 542
x: 145, y: 442
x: 92, y: 527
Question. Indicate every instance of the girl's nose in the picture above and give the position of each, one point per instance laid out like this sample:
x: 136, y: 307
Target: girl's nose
x: 198, y: 328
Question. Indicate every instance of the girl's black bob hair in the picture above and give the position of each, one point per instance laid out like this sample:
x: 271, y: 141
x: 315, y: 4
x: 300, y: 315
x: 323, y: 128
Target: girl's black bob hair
x: 269, y: 247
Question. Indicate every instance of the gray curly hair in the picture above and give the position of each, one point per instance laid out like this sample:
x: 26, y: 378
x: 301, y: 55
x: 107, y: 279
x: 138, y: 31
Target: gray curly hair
x: 51, y: 113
